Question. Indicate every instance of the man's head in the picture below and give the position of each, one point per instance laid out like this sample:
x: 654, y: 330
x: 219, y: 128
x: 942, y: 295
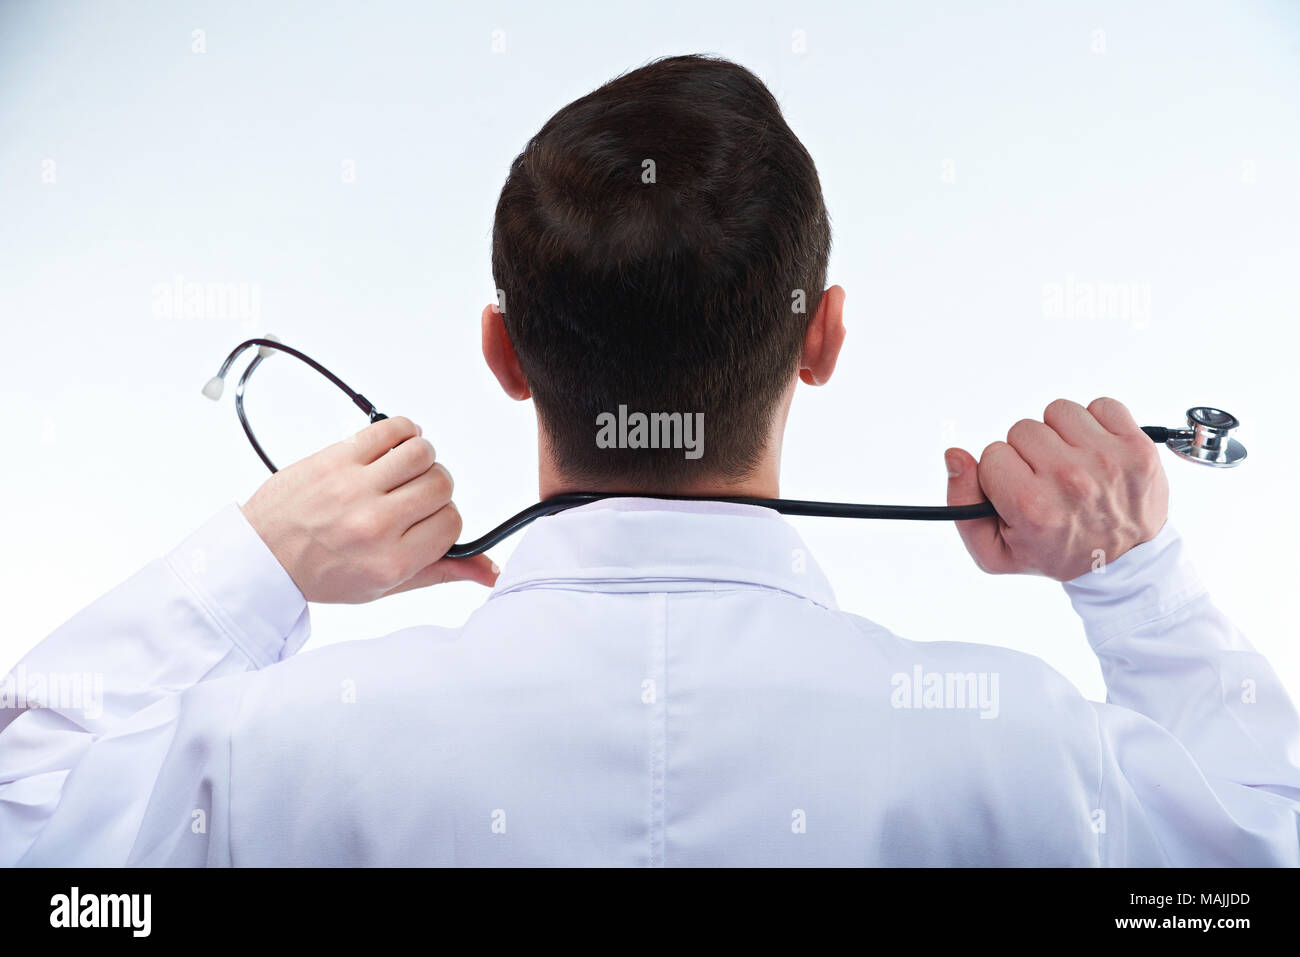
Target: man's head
x: 661, y: 245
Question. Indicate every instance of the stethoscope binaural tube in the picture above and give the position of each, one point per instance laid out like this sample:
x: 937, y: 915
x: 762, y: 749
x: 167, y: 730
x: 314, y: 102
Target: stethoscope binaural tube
x: 1206, y: 440
x: 213, y: 388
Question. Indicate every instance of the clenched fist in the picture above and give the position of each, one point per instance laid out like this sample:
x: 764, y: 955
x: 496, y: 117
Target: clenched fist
x: 366, y: 517
x: 1081, y: 487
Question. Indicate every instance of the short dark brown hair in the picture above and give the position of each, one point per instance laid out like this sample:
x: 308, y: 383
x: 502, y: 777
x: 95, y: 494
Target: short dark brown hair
x: 675, y: 292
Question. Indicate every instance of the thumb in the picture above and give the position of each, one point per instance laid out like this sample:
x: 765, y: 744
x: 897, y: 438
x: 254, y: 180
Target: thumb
x: 479, y: 569
x: 981, y: 536
x: 963, y: 478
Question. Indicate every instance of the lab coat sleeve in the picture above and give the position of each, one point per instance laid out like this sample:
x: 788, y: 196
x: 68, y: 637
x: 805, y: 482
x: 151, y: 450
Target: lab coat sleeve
x: 1200, y: 743
x: 218, y: 605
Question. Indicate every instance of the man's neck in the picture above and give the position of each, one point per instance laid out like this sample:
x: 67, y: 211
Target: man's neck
x: 551, y: 485
x: 763, y: 482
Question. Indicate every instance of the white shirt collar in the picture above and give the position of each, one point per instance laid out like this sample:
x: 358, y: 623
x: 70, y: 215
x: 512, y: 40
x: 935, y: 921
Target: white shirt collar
x: 646, y: 544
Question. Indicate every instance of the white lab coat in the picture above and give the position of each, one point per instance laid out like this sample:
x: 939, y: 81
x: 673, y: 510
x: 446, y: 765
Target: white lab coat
x: 649, y: 683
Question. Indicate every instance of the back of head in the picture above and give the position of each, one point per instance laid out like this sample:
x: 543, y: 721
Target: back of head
x: 653, y: 245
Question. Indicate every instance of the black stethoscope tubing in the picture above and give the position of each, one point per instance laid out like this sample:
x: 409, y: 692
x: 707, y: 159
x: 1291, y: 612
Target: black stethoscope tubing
x: 559, y: 503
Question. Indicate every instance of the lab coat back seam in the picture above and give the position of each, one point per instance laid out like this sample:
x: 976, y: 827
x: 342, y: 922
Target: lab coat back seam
x: 232, y: 729
x: 1103, y: 853
x: 658, y: 856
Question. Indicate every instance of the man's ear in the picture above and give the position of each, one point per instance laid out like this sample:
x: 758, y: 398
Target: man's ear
x: 499, y: 352
x: 825, y: 336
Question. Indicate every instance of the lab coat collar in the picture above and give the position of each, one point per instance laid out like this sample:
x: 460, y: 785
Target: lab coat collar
x: 656, y: 545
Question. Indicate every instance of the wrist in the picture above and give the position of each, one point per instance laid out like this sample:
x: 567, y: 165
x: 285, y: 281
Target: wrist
x: 243, y: 587
x: 1146, y: 582
x: 272, y: 534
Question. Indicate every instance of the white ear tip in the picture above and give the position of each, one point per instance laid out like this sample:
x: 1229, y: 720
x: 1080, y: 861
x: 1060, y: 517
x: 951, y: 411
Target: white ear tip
x: 266, y: 351
x: 213, y: 387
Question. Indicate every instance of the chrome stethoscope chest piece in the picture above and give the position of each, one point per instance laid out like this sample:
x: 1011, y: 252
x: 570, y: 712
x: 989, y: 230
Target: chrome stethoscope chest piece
x: 1207, y: 438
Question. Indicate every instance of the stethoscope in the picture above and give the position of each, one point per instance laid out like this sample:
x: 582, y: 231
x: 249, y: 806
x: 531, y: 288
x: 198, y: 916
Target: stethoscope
x: 1207, y: 440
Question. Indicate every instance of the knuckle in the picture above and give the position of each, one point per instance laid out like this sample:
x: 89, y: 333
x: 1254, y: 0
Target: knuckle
x: 1033, y: 507
x: 443, y: 483
x: 1028, y: 507
x: 1104, y: 404
x: 1144, y: 453
x: 1111, y: 467
x: 1059, y: 407
x: 1021, y: 430
x: 1150, y: 460
x: 424, y: 452
x: 1075, y: 481
x: 363, y: 526
x: 1140, y: 461
x: 453, y: 520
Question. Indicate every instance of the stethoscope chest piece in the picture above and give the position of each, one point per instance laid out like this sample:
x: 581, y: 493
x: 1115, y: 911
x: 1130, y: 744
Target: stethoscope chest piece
x: 1207, y: 439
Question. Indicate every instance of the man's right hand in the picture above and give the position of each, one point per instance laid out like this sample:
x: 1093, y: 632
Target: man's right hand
x: 1080, y: 488
x: 366, y: 517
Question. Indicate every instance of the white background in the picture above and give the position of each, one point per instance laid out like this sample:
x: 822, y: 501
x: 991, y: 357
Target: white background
x: 1162, y: 151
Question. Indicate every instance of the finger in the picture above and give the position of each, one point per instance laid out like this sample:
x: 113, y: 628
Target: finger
x: 479, y: 568
x: 428, y: 539
x: 421, y: 496
x: 1073, y: 423
x: 1005, y: 478
x: 1038, y: 444
x: 1114, y: 416
x: 980, y: 535
x: 409, y: 460
x: 378, y: 437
